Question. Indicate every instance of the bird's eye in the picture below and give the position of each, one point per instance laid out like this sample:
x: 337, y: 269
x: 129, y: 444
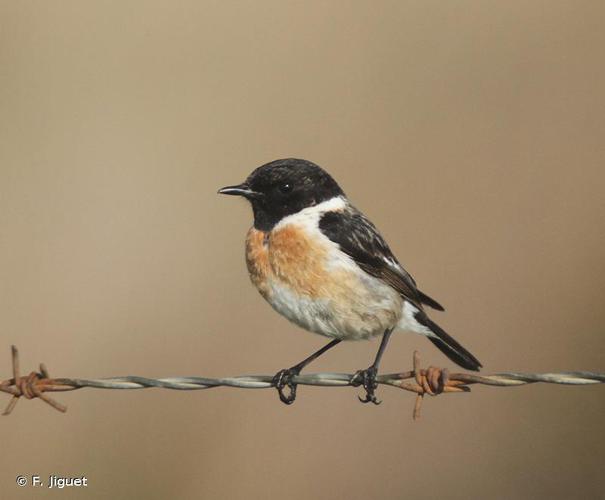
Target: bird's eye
x: 285, y: 188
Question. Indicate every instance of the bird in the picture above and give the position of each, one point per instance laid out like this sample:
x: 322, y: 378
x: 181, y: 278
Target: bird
x: 322, y: 264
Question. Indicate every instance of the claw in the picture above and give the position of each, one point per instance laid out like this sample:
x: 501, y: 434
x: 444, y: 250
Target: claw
x: 370, y: 399
x: 283, y: 379
x: 367, y: 378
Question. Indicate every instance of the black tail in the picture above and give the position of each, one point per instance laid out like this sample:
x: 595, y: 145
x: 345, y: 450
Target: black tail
x: 448, y: 346
x: 425, y: 299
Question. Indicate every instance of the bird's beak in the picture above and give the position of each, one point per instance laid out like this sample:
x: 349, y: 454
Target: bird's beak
x: 239, y: 190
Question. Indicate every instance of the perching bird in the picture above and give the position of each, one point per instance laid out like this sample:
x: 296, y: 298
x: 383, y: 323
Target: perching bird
x: 323, y: 265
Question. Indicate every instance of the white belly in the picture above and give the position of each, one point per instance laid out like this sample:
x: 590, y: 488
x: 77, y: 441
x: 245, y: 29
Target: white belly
x: 360, y: 309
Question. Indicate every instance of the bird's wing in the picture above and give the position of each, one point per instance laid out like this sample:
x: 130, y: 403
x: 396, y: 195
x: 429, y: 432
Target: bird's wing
x: 358, y: 237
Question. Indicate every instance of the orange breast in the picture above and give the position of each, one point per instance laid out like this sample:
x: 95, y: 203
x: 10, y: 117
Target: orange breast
x: 288, y: 256
x: 257, y: 260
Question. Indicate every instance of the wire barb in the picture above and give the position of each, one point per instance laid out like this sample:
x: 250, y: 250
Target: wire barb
x: 30, y: 386
x: 432, y: 381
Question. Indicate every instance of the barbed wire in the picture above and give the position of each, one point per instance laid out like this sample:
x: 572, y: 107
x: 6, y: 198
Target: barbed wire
x: 431, y: 381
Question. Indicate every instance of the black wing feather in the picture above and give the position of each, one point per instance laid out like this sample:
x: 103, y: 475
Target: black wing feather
x: 359, y: 238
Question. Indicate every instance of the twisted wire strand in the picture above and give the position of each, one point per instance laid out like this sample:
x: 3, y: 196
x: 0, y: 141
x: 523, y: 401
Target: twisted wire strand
x: 506, y: 379
x: 431, y: 381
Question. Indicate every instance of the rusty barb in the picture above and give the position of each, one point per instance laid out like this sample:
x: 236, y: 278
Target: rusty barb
x: 431, y: 381
x: 30, y: 386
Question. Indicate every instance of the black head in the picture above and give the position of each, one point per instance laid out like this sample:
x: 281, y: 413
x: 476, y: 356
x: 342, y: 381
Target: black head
x: 284, y: 187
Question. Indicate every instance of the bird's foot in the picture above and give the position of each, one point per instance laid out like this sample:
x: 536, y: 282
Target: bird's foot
x: 367, y: 378
x: 283, y: 379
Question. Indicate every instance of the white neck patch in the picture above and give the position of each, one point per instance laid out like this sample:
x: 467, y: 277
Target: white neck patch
x: 311, y: 215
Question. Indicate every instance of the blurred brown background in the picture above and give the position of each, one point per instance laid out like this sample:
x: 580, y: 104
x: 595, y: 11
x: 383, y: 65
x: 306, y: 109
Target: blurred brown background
x: 470, y: 132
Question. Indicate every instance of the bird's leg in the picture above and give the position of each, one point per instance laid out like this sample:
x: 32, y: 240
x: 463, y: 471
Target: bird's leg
x: 283, y: 378
x: 367, y: 377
